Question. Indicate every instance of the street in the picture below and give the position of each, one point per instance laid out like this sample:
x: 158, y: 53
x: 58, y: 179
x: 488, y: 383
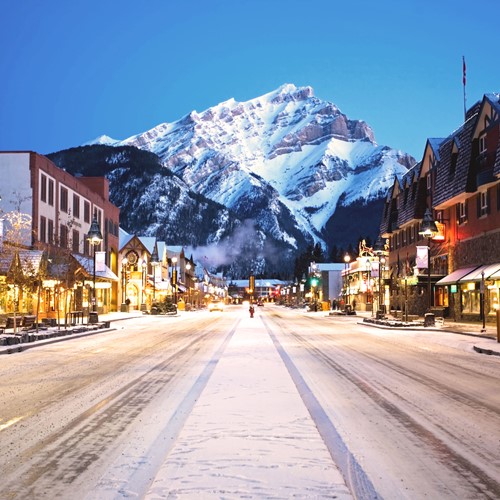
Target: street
x: 142, y: 411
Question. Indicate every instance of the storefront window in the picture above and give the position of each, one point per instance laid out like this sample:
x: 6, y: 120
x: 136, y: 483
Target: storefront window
x: 471, y: 299
x: 493, y: 297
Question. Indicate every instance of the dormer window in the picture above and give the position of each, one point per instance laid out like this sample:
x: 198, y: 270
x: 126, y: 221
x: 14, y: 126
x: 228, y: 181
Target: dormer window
x: 482, y: 144
x: 454, y: 157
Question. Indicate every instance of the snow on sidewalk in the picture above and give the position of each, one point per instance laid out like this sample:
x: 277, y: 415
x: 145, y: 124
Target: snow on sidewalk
x: 249, y: 434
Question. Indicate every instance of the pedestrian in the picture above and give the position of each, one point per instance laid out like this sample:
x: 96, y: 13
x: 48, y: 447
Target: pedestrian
x: 334, y: 304
x: 354, y: 305
x: 251, y: 310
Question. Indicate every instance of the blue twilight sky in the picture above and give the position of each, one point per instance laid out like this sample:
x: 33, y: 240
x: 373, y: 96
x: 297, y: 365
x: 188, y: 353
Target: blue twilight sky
x: 71, y: 71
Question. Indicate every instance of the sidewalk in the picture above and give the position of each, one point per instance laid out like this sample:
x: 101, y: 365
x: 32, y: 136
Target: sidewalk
x: 486, y: 342
x: 249, y: 435
x: 49, y: 335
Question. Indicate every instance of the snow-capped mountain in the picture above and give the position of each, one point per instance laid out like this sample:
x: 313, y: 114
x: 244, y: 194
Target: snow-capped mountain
x: 286, y: 159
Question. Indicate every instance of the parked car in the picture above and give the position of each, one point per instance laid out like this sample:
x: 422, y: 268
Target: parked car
x: 216, y: 306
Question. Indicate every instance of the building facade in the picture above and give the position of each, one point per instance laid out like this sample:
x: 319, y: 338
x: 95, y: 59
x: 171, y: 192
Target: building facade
x: 60, y: 208
x: 458, y: 179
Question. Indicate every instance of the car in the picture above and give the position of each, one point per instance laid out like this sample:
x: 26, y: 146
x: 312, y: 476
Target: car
x: 216, y: 306
x: 260, y: 303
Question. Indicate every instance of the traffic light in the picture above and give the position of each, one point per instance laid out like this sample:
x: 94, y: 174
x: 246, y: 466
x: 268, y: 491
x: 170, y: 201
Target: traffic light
x: 314, y: 281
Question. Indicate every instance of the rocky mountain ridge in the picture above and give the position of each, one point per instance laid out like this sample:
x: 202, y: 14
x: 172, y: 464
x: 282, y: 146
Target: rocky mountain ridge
x: 288, y: 161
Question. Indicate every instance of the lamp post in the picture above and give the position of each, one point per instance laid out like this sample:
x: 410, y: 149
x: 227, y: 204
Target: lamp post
x: 124, y: 284
x: 188, y: 281
x: 347, y: 259
x: 380, y: 252
x: 174, y: 278
x: 94, y: 237
x: 483, y: 310
x: 428, y: 230
x: 155, y: 262
x: 144, y: 269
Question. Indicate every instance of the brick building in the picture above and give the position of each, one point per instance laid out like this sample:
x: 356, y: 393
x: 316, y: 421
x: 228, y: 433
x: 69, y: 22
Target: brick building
x: 458, y: 178
x: 61, y: 208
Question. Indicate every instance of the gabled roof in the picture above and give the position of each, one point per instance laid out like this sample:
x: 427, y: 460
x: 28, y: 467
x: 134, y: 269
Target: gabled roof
x: 32, y: 261
x: 148, y: 242
x: 88, y: 264
x: 124, y: 238
x: 451, y: 179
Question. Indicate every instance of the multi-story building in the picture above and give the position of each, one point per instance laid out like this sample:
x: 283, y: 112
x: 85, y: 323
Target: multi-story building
x: 458, y: 178
x: 61, y: 208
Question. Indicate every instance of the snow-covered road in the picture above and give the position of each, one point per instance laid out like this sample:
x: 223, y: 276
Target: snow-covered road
x: 220, y: 406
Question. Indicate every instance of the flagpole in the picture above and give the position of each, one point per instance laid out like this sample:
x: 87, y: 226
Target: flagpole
x: 464, y: 81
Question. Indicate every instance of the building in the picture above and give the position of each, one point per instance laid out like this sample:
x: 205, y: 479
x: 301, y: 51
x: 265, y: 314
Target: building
x: 458, y: 180
x: 59, y: 208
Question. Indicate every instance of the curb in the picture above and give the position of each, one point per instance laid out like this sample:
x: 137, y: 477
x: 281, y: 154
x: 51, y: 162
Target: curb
x: 24, y: 346
x: 489, y: 352
x: 480, y: 350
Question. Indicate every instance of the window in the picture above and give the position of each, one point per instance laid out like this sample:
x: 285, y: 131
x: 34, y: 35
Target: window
x: 86, y: 211
x: 76, y: 241
x: 43, y: 230
x: 51, y: 192
x: 482, y: 144
x: 483, y: 203
x: 76, y: 206
x: 64, y: 200
x: 43, y: 188
x: 462, y: 212
x: 429, y: 181
x: 50, y: 231
x: 63, y: 239
x: 453, y: 163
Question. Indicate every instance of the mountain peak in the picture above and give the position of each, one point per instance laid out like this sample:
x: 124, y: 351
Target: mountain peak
x: 287, y: 160
x: 102, y: 139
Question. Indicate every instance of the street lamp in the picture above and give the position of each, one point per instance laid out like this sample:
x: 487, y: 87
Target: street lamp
x: 380, y: 252
x: 483, y: 309
x: 347, y: 259
x: 144, y: 270
x: 188, y: 281
x: 124, y: 284
x: 155, y: 261
x: 428, y: 230
x: 174, y: 278
x: 94, y: 237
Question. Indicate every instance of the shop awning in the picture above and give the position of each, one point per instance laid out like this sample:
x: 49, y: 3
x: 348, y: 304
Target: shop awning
x: 455, y: 276
x: 488, y: 271
x: 495, y: 275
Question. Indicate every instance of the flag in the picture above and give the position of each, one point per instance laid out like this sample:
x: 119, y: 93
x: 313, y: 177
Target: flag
x: 422, y: 257
x: 100, y: 262
x: 464, y: 68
